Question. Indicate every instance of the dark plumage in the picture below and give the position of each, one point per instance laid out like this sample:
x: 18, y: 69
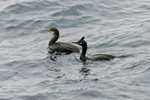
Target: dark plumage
x: 60, y: 46
x: 96, y: 57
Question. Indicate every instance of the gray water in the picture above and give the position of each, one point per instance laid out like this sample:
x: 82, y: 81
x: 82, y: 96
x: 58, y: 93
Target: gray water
x: 117, y: 27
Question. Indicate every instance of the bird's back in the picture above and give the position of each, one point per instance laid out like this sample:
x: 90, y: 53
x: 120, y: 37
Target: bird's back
x: 100, y: 57
x: 64, y: 47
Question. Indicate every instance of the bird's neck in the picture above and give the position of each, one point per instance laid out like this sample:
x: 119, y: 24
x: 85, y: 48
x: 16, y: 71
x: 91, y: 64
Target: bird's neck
x: 82, y: 56
x: 54, y: 39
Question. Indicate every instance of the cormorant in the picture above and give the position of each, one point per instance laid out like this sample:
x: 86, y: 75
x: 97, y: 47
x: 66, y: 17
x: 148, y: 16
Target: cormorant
x: 96, y: 57
x: 60, y: 46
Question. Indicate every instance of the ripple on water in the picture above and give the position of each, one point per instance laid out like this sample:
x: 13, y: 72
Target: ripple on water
x: 28, y: 71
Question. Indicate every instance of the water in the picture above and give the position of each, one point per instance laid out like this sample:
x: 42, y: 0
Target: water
x: 110, y: 27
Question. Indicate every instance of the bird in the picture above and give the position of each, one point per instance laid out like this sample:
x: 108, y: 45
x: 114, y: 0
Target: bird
x: 60, y: 46
x: 96, y: 57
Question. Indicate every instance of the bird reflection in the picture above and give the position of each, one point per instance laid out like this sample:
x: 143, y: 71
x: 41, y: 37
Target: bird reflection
x: 85, y: 72
x: 52, y: 55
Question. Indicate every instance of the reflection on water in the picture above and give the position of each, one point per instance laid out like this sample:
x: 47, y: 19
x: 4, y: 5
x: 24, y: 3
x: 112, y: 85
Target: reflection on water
x: 85, y: 72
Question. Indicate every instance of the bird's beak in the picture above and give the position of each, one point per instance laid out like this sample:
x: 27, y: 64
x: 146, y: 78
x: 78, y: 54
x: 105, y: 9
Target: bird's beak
x: 79, y: 43
x: 49, y: 31
x: 46, y: 30
x: 75, y: 42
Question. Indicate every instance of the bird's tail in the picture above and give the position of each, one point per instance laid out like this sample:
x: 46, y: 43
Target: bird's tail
x: 123, y: 56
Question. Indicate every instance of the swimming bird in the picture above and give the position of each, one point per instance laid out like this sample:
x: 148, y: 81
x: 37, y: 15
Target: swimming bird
x: 96, y: 57
x: 60, y: 46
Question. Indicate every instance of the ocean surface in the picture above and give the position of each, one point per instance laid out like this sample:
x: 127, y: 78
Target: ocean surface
x: 117, y: 27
